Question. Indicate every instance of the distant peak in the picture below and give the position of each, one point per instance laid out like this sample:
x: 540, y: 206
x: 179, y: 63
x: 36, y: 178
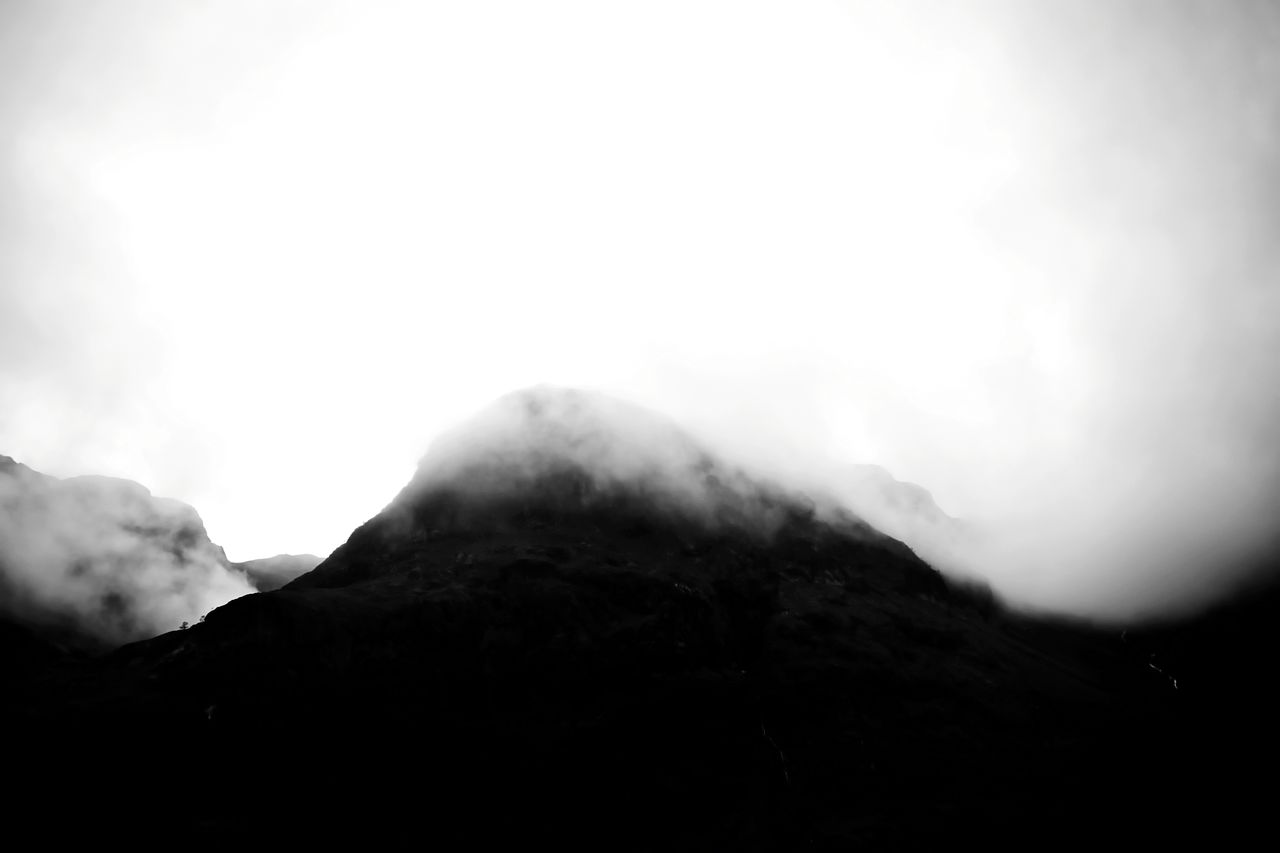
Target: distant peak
x: 549, y: 429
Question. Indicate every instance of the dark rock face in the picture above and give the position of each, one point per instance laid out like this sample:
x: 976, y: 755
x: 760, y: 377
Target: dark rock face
x: 548, y: 655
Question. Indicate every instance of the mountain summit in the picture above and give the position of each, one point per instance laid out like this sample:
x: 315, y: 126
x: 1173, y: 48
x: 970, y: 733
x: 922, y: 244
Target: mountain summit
x: 550, y: 449
x: 571, y: 459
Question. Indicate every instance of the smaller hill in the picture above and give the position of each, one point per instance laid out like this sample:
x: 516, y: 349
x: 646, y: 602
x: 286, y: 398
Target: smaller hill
x: 270, y: 573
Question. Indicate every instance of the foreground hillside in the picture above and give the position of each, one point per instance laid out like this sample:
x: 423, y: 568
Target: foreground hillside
x: 534, y: 646
x: 569, y: 679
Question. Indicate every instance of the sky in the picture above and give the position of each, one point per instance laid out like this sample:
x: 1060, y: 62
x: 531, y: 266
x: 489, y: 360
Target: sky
x: 255, y: 255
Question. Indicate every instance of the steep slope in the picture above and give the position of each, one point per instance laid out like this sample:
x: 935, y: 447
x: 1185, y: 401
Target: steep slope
x: 908, y: 512
x: 557, y: 456
x: 559, y: 632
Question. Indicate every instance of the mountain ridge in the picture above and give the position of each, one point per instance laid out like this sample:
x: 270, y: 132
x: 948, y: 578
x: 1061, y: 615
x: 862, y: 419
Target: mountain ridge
x: 560, y: 657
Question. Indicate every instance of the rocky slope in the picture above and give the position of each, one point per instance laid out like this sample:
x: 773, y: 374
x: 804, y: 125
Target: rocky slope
x: 559, y: 635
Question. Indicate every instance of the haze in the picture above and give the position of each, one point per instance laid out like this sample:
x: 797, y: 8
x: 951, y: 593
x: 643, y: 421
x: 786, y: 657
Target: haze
x: 256, y: 255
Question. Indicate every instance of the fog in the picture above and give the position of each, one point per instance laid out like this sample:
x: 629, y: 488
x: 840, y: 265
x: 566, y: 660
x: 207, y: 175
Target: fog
x: 102, y: 562
x: 257, y: 255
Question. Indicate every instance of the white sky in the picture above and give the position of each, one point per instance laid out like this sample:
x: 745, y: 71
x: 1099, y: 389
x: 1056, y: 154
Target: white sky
x: 255, y: 255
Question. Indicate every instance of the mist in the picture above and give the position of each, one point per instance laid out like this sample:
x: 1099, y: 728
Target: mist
x: 547, y: 448
x: 100, y: 562
x: 257, y: 256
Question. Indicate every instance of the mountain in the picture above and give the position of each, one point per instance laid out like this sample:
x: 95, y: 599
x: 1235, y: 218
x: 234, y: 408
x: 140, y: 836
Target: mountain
x: 95, y: 561
x: 561, y: 457
x: 575, y: 626
x: 908, y: 512
x: 270, y: 573
x: 90, y: 563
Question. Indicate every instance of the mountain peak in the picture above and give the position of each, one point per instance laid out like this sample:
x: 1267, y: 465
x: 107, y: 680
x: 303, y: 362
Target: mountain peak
x: 548, y: 448
x: 586, y: 462
x: 532, y: 432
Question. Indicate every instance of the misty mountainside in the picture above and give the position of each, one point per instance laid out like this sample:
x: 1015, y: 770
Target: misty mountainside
x: 553, y: 456
x: 93, y: 562
x: 99, y: 561
x: 574, y: 625
x: 876, y: 485
x: 908, y: 512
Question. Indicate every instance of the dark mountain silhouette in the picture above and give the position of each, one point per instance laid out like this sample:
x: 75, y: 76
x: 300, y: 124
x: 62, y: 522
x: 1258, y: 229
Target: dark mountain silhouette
x: 575, y: 626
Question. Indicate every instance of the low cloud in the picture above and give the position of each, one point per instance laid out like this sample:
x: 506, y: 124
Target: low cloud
x: 598, y: 449
x: 102, y: 561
